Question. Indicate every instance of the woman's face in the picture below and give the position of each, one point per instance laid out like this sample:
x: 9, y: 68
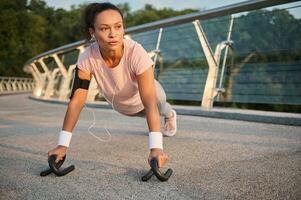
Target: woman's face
x: 108, y: 30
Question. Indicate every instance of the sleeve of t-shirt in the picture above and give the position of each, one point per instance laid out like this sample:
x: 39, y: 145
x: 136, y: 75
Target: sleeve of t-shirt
x: 141, y: 61
x: 83, y: 61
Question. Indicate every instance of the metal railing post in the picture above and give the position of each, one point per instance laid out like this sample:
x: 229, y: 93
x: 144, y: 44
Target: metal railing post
x: 209, y: 91
x: 225, y: 58
x: 60, y: 65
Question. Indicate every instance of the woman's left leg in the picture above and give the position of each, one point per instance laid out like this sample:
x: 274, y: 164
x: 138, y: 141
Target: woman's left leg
x: 165, y: 110
x: 163, y: 106
x: 170, y: 115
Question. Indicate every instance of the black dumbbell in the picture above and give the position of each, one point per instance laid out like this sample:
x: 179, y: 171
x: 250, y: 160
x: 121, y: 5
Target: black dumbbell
x: 155, y: 170
x: 54, y: 167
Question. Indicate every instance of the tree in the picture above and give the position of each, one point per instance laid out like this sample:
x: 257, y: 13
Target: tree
x: 21, y: 38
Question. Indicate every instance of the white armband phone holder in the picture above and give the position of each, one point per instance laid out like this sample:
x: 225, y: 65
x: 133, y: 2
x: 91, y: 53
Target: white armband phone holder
x: 64, y: 138
x: 155, y: 140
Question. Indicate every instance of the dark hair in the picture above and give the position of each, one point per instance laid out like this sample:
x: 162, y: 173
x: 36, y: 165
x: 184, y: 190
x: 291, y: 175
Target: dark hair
x: 92, y: 10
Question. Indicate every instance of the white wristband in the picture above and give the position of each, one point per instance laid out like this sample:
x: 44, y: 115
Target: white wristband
x: 64, y: 138
x: 155, y: 140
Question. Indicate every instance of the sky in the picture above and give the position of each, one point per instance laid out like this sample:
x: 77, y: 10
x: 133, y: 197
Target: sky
x: 174, y: 4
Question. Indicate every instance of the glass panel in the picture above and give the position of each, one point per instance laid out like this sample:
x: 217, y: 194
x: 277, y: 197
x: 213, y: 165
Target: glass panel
x: 264, y: 65
x: 267, y: 61
x: 69, y: 58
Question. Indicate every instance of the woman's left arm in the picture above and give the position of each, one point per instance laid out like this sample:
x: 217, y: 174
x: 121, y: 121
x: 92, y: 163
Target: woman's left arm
x: 147, y: 90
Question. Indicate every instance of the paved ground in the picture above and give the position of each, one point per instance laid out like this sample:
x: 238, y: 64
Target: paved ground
x: 211, y: 158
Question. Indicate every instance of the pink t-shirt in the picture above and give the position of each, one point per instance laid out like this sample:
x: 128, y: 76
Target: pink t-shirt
x: 119, y: 84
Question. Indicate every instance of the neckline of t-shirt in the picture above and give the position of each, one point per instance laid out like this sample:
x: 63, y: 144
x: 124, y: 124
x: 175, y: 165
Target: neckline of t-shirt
x: 105, y: 67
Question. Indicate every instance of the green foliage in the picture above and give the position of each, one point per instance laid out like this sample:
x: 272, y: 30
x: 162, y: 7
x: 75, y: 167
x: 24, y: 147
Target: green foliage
x: 265, y: 31
x: 13, y: 5
x: 149, y: 14
x: 21, y: 36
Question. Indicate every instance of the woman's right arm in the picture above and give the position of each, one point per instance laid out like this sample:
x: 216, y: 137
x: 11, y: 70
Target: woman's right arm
x: 72, y: 114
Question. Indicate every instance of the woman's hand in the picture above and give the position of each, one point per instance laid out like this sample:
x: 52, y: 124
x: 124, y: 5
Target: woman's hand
x: 59, y: 151
x: 159, y: 155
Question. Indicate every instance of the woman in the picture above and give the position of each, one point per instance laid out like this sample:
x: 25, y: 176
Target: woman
x: 123, y: 71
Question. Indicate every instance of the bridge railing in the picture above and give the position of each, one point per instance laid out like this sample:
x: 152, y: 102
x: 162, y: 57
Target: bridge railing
x: 16, y: 85
x: 208, y: 56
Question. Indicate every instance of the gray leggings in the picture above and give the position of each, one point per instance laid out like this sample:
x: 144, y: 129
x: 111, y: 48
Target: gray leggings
x: 163, y: 106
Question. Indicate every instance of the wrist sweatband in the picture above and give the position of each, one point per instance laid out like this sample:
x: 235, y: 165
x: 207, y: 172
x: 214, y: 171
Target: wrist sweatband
x: 155, y: 140
x: 64, y: 138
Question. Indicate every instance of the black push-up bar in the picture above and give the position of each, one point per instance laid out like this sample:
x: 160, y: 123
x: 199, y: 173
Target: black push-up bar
x: 54, y: 167
x: 155, y: 170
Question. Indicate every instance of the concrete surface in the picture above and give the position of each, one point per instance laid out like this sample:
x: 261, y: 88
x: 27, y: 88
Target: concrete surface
x: 211, y: 158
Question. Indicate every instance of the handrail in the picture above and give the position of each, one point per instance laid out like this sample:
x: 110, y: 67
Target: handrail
x: 206, y: 14
x: 13, y: 77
